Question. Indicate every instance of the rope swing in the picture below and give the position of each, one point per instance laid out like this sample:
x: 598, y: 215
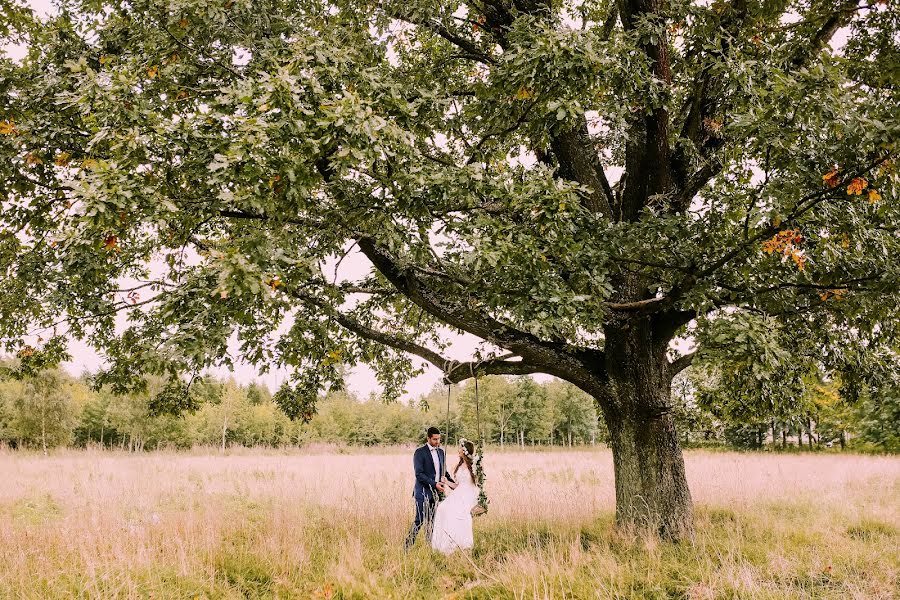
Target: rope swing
x: 482, y: 506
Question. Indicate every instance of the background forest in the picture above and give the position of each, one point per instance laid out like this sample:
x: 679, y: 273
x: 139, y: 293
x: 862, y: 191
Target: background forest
x: 54, y: 409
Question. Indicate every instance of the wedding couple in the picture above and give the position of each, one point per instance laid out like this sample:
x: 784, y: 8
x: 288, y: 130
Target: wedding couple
x: 448, y: 522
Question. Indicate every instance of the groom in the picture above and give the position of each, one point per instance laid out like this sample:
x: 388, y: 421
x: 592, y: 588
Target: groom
x: 428, y: 464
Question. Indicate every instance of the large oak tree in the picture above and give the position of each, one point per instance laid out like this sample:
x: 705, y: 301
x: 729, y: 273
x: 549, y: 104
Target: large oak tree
x: 575, y: 183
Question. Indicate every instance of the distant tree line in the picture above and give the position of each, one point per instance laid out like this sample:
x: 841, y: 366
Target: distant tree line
x: 53, y: 409
x: 709, y: 413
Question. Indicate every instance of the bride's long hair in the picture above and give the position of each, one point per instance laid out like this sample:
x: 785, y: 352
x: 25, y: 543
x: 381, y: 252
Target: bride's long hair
x: 467, y: 458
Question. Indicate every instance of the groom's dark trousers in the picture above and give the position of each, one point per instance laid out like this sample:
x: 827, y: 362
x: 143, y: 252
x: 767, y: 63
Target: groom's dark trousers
x: 425, y: 507
x: 425, y: 491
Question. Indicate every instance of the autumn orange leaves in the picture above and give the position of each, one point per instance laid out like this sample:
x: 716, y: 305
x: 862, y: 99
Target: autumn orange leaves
x: 8, y: 127
x: 857, y: 185
x: 788, y: 242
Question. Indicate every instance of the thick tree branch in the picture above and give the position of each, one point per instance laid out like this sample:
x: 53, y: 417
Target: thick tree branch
x: 668, y: 322
x: 831, y: 23
x: 701, y: 106
x: 558, y: 359
x: 681, y: 363
x: 554, y: 358
x: 648, y: 165
x: 454, y: 371
x: 468, y: 46
x: 609, y: 23
x: 578, y: 161
x: 453, y: 313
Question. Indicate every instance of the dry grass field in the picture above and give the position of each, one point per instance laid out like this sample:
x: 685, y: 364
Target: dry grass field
x: 254, y: 524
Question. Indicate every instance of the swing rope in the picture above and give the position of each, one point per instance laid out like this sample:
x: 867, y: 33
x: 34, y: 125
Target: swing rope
x: 448, y: 412
x: 482, y: 506
x: 477, y: 410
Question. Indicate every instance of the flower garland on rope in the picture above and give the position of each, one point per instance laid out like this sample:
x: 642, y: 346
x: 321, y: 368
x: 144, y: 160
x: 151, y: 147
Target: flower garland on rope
x: 481, y: 507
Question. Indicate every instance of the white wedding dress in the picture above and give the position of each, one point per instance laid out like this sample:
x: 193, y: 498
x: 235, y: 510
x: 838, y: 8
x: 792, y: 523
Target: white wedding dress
x: 453, y: 518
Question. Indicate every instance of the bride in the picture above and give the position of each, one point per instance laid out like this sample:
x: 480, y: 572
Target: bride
x: 453, y: 519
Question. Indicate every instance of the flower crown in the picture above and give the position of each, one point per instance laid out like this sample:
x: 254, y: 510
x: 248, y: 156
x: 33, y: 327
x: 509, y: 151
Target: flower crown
x: 462, y: 445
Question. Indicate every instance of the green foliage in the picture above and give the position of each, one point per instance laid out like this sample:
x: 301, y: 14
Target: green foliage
x: 173, y: 399
x: 877, y: 419
x: 523, y: 411
x: 238, y: 148
x: 39, y: 410
x: 71, y: 412
x: 296, y: 402
x: 696, y: 425
x: 32, y: 361
x: 59, y: 410
x: 574, y: 414
x: 710, y: 411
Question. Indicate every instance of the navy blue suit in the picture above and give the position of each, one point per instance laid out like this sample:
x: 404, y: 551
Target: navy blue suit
x: 424, y: 490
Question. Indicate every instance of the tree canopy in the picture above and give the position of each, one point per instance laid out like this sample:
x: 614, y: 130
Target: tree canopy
x: 239, y: 144
x: 572, y: 182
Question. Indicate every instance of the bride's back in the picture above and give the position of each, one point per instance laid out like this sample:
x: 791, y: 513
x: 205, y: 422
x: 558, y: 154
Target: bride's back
x: 463, y: 476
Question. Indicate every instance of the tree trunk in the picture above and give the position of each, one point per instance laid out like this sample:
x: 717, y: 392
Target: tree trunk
x: 774, y: 437
x: 44, y: 430
x: 651, y: 487
x: 783, y: 437
x: 818, y: 435
x: 843, y: 440
x: 224, y: 431
x: 809, y: 432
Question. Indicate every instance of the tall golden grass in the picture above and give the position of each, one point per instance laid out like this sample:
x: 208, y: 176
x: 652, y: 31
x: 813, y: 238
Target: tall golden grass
x: 308, y: 524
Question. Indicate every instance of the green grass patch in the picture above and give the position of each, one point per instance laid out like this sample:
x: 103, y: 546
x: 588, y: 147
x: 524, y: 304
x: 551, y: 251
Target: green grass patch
x: 870, y: 529
x: 35, y: 510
